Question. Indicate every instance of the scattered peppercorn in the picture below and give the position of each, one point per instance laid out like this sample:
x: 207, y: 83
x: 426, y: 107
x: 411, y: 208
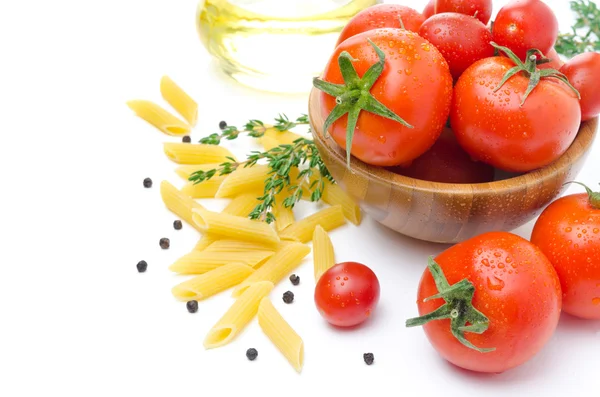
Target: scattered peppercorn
x: 295, y: 279
x: 142, y: 266
x: 192, y: 306
x: 251, y: 354
x: 186, y: 139
x: 147, y: 183
x: 223, y: 125
x: 369, y: 358
x: 177, y: 225
x: 288, y: 297
x: 165, y: 243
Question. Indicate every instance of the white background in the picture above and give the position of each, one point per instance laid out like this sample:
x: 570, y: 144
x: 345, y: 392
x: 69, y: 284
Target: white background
x: 76, y: 319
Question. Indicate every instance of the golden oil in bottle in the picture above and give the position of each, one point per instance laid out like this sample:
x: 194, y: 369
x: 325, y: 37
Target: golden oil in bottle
x: 274, y: 45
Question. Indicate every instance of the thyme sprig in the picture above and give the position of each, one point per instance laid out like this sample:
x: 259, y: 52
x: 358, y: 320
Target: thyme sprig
x: 254, y: 129
x: 585, y: 35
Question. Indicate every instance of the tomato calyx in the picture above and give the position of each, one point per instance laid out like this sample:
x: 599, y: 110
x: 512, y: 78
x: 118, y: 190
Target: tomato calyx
x: 594, y: 197
x: 355, y: 95
x: 529, y: 68
x: 458, y: 308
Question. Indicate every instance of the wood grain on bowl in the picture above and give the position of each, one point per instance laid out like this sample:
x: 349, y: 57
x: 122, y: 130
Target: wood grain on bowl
x: 449, y: 213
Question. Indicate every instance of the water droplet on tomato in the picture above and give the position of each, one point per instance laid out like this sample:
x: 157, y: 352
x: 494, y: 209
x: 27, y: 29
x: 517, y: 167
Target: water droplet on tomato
x: 568, y: 229
x: 337, y: 278
x: 485, y: 262
x: 596, y: 230
x: 342, y: 283
x: 494, y: 283
x: 381, y: 139
x: 408, y: 72
x: 596, y: 301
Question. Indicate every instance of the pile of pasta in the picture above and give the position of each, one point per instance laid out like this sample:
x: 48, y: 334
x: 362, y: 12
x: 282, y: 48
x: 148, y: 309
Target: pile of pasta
x: 249, y: 256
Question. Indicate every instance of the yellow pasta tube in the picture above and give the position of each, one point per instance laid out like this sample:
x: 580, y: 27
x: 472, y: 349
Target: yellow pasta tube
x: 323, y: 255
x: 205, y: 189
x: 329, y: 218
x: 268, y: 143
x: 283, y: 216
x: 283, y: 137
x: 199, y: 262
x: 205, y: 242
x: 179, y: 99
x: 333, y: 194
x: 243, y: 180
x: 286, y: 259
x: 179, y: 203
x: 159, y: 117
x: 188, y: 153
x: 235, y: 227
x: 281, y: 333
x: 238, y: 246
x: 184, y: 171
x: 212, y: 282
x: 238, y: 315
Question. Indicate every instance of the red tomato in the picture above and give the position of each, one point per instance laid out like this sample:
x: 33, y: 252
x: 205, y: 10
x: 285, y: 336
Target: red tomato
x: 415, y: 84
x: 525, y: 24
x: 583, y: 72
x: 347, y: 294
x: 382, y: 16
x: 461, y: 39
x: 446, y: 162
x: 568, y: 232
x: 555, y: 61
x: 512, y: 285
x: 481, y: 9
x: 429, y: 9
x: 494, y: 128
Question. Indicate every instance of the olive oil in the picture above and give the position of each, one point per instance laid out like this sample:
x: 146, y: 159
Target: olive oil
x: 274, y: 45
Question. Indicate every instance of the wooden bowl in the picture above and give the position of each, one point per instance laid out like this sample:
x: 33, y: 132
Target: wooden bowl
x: 449, y: 213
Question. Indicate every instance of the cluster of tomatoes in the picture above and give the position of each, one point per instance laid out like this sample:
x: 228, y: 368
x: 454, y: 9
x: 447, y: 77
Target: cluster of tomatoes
x: 442, y: 96
x: 497, y: 94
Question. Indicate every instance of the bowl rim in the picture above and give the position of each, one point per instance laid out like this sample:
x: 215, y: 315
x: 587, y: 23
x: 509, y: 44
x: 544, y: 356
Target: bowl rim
x: 579, y: 147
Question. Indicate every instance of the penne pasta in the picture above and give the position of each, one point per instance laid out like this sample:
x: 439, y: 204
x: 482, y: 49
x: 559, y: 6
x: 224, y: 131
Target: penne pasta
x: 333, y: 195
x: 184, y: 171
x: 159, y: 117
x: 205, y: 189
x: 212, y: 282
x: 283, y: 216
x: 281, y: 333
x: 268, y: 143
x: 199, y: 262
x: 179, y: 100
x: 323, y: 255
x: 282, y: 137
x: 205, y: 242
x: 188, y: 153
x: 329, y: 218
x: 286, y: 259
x: 179, y: 203
x: 235, y: 227
x: 238, y: 246
x: 243, y: 180
x: 238, y: 315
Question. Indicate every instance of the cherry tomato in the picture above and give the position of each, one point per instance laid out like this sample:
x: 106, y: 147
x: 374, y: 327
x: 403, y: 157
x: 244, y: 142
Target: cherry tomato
x: 429, y: 9
x: 347, y: 294
x: 583, y: 72
x: 481, y: 9
x: 461, y: 39
x: 415, y: 84
x: 382, y: 16
x: 568, y: 232
x: 525, y: 24
x: 513, y: 287
x: 555, y: 61
x: 495, y: 128
x: 446, y: 162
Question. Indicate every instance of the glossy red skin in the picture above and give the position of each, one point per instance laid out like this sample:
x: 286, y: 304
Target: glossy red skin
x: 583, y: 72
x: 347, y: 294
x: 429, y: 9
x: 481, y: 8
x: 462, y: 40
x: 446, y: 162
x: 415, y: 84
x: 517, y: 289
x: 525, y: 24
x: 496, y: 129
x: 568, y: 232
x: 382, y: 16
x: 555, y: 63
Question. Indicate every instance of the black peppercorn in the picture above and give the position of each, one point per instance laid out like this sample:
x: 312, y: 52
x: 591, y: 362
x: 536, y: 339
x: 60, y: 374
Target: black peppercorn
x: 251, y: 354
x: 165, y: 243
x: 288, y: 297
x: 223, y: 125
x: 147, y: 182
x: 192, y: 306
x: 295, y: 279
x: 177, y: 225
x: 142, y: 266
x: 186, y: 139
x: 369, y: 358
